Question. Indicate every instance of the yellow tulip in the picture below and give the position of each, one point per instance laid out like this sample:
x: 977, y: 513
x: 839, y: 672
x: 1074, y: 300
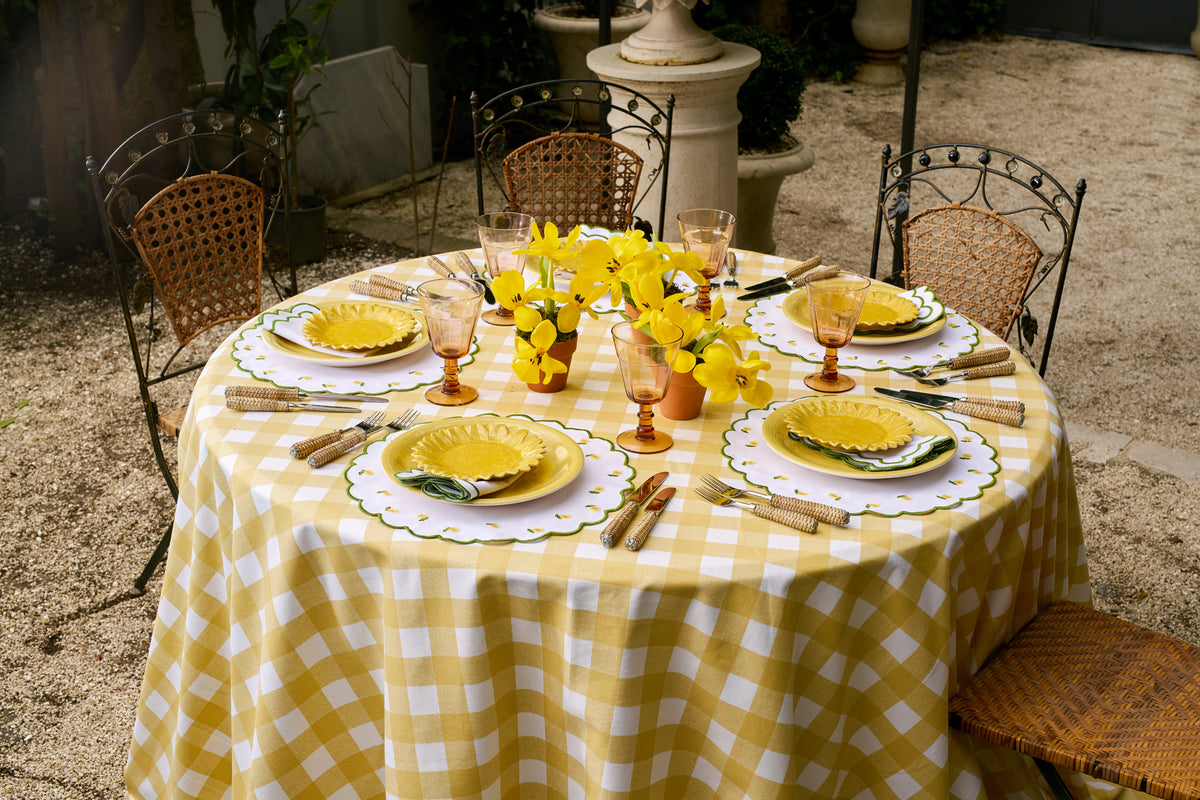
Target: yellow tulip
x: 509, y: 289
x: 720, y: 371
x: 532, y: 360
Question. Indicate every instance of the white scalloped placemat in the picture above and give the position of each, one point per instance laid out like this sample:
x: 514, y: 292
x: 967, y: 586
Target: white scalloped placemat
x: 767, y: 319
x: 253, y: 355
x: 587, y: 500
x: 964, y: 477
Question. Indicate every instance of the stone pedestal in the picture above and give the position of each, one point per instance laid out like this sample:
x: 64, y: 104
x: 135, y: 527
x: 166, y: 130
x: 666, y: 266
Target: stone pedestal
x: 704, y: 159
x: 760, y: 177
x: 881, y: 27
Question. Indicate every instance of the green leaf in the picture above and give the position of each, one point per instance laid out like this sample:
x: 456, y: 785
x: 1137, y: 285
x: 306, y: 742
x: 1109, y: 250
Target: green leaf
x: 4, y: 423
x: 23, y: 403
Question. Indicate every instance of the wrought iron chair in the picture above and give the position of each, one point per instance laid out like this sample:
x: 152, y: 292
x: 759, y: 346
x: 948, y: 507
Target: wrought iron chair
x: 185, y: 205
x: 1085, y: 691
x: 559, y: 167
x: 985, y: 229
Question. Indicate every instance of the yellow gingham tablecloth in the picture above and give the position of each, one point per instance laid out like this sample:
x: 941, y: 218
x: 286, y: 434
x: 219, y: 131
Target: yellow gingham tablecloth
x: 304, y: 649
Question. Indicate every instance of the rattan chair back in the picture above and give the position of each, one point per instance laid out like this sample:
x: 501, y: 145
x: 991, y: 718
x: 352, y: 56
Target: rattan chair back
x: 993, y: 216
x: 1085, y: 691
x: 201, y: 241
x: 185, y: 205
x: 975, y: 260
x: 574, y: 179
x: 544, y: 183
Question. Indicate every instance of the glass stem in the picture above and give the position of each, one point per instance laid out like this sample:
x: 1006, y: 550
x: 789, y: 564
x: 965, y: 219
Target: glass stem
x: 703, y: 302
x: 450, y: 381
x: 645, y: 428
x: 829, y: 369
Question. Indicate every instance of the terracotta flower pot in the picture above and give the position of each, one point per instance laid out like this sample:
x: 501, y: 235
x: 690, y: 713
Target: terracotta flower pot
x: 684, y: 398
x: 564, y: 352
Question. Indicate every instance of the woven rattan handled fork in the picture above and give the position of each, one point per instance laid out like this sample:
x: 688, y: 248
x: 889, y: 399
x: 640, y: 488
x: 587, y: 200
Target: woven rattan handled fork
x: 355, y: 438
x: 801, y: 522
x: 818, y: 511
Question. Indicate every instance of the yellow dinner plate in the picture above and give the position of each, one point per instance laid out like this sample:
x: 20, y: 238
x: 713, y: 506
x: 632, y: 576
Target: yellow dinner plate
x: 358, y: 326
x: 415, y: 340
x: 561, y: 464
x: 884, y: 310
x: 775, y: 433
x: 849, y: 424
x: 795, y: 308
x: 480, y: 452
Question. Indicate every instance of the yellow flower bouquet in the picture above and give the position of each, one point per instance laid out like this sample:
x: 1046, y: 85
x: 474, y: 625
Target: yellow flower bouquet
x: 544, y: 315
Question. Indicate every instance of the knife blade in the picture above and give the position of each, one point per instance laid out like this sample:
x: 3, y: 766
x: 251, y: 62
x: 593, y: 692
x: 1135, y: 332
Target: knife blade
x: 624, y: 516
x: 787, y: 284
x: 1007, y: 414
x: 640, y: 531
x: 465, y: 263
x: 794, y: 272
x: 279, y: 393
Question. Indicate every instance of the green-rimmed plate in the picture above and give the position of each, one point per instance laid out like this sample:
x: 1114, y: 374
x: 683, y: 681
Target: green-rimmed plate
x: 561, y: 464
x: 411, y: 343
x: 795, y: 308
x: 775, y: 433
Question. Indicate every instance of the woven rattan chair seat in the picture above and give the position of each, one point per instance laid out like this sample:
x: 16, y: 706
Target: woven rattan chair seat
x: 977, y: 262
x: 574, y: 179
x: 1094, y: 694
x: 201, y: 240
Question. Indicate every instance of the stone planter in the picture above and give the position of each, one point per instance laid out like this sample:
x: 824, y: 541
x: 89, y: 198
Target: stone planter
x: 881, y: 27
x: 307, y: 229
x: 759, y: 178
x: 574, y: 36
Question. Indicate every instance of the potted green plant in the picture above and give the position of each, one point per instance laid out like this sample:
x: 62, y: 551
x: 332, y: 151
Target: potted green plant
x: 770, y: 100
x: 273, y: 74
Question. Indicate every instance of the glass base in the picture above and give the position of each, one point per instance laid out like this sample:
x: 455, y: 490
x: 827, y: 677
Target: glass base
x: 464, y: 395
x: 494, y: 317
x: 842, y: 384
x: 628, y: 440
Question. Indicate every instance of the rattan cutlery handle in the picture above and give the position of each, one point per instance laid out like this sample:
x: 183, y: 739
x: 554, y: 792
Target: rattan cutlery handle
x: 331, y: 451
x: 1001, y: 415
x: 387, y: 283
x: 805, y: 266
x: 640, y: 531
x: 239, y: 403
x: 306, y: 447
x: 991, y: 370
x: 989, y: 356
x: 263, y: 392
x: 464, y: 263
x: 990, y: 402
x: 801, y: 522
x: 617, y: 525
x: 821, y: 273
x: 381, y: 291
x: 818, y: 511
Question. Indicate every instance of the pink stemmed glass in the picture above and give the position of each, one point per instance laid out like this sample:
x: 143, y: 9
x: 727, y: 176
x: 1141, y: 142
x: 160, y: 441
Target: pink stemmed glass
x: 500, y: 233
x: 451, y: 308
x: 833, y: 305
x: 646, y: 371
x: 707, y: 233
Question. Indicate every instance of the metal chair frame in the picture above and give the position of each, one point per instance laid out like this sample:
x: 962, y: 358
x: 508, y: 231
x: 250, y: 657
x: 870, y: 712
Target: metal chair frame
x: 505, y: 122
x: 993, y: 180
x: 166, y: 153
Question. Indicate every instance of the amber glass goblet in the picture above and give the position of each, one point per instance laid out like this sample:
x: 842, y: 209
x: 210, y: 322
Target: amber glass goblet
x: 707, y: 233
x: 833, y: 305
x: 501, y: 233
x: 646, y: 371
x: 451, y: 308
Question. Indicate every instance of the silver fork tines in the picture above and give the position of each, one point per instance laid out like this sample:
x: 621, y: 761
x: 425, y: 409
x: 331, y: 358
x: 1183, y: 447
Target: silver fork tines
x: 731, y: 266
x: 800, y: 522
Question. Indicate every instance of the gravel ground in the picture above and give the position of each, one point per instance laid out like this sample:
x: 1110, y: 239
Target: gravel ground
x: 82, y: 503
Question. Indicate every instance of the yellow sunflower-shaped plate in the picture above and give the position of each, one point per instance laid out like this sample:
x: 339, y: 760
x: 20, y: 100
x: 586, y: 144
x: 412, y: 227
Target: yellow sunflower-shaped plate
x: 359, y: 326
x: 849, y: 425
x: 562, y: 463
x: 414, y: 341
x: 775, y: 433
x: 795, y: 308
x: 883, y: 311
x: 479, y: 452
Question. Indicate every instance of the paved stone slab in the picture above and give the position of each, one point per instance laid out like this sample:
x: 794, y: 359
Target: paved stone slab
x: 1180, y: 463
x: 1097, y: 446
x: 362, y: 142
